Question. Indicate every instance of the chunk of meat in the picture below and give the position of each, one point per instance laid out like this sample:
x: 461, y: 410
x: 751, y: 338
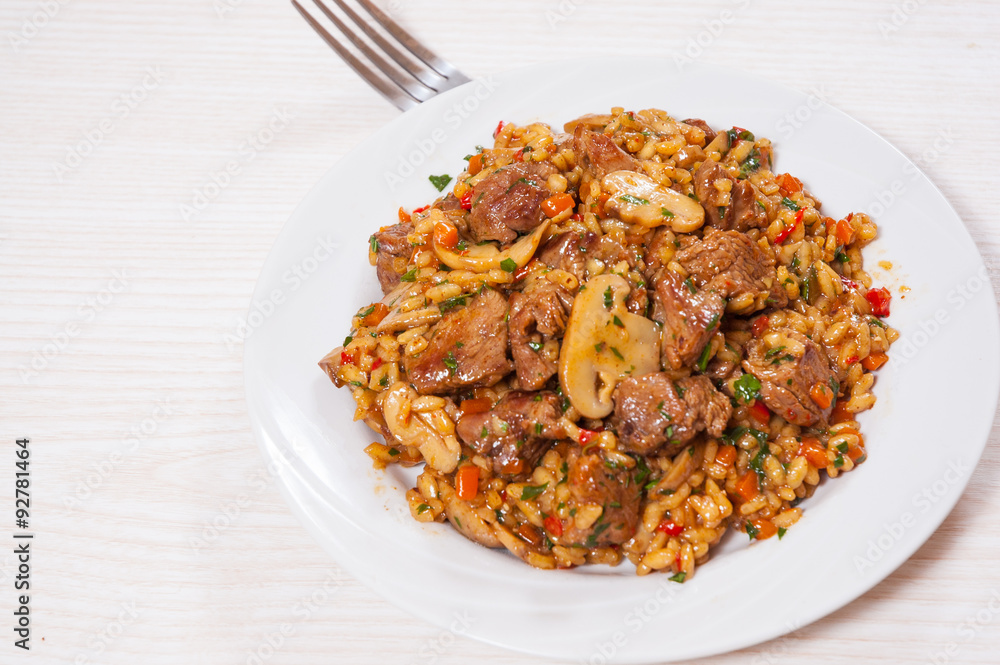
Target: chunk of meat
x: 569, y: 251
x: 660, y: 249
x: 732, y: 265
x: 734, y: 208
x: 516, y: 432
x: 744, y: 213
x: 689, y: 316
x: 467, y: 347
x: 599, y: 154
x: 593, y: 484
x: 653, y: 414
x: 703, y: 126
x: 787, y: 372
x: 509, y: 201
x: 392, y: 254
x: 537, y: 320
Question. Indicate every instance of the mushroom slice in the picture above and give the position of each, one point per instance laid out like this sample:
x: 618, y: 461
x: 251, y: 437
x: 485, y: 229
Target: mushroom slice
x: 416, y: 429
x: 638, y: 199
x: 483, y: 258
x: 603, y: 344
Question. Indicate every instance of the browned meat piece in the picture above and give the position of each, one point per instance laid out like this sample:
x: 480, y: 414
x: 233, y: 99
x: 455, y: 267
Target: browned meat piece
x: 448, y: 203
x: 712, y: 199
x: 731, y: 264
x: 660, y: 248
x: 689, y: 317
x: 591, y: 482
x: 393, y: 252
x: 599, y: 154
x: 638, y: 301
x: 703, y: 126
x: 787, y: 373
x: 537, y: 321
x: 649, y: 412
x: 509, y: 201
x: 569, y: 251
x: 744, y: 213
x: 468, y: 347
x: 740, y: 212
x: 516, y: 432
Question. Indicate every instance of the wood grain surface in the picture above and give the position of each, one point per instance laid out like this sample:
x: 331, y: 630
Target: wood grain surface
x: 116, y: 303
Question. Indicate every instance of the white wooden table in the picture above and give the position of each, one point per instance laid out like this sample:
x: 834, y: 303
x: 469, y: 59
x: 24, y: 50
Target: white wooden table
x: 117, y: 302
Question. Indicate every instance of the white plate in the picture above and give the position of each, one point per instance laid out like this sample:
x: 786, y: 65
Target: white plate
x: 935, y: 407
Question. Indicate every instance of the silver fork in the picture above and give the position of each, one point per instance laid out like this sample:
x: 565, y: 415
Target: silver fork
x: 414, y: 75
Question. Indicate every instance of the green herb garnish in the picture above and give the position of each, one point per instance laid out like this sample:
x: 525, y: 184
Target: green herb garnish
x: 533, y: 491
x: 440, y: 181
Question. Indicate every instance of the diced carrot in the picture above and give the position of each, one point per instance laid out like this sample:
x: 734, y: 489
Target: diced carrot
x: 765, y: 529
x: 874, y: 360
x: 467, y: 482
x: 747, y: 487
x: 553, y: 525
x: 844, y: 232
x: 726, y: 455
x: 821, y: 394
x: 840, y: 413
x: 789, y: 184
x: 856, y: 453
x: 760, y: 324
x: 478, y: 405
x: 445, y: 234
x: 404, y: 217
x: 670, y: 528
x: 556, y: 204
x: 814, y: 452
x: 375, y: 316
x: 476, y: 163
x: 601, y: 200
x: 760, y: 412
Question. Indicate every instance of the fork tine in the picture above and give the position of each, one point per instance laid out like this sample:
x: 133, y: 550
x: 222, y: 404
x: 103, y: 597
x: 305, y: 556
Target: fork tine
x: 415, y: 68
x: 414, y: 89
x: 453, y: 76
x: 395, y: 95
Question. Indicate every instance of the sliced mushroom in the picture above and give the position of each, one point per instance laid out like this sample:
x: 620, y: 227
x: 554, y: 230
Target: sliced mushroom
x: 483, y: 258
x: 636, y: 198
x: 415, y: 429
x: 603, y: 344
x: 465, y: 518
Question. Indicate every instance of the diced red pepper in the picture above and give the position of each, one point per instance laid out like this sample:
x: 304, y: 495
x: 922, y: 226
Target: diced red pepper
x: 781, y: 237
x: 850, y: 283
x: 346, y: 358
x: 879, y: 300
x: 496, y: 132
x: 553, y: 525
x: 522, y: 271
x: 670, y: 528
x: 760, y: 412
x: 423, y: 209
x: 376, y: 364
x: 760, y: 324
x: 467, y: 200
x: 586, y: 435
